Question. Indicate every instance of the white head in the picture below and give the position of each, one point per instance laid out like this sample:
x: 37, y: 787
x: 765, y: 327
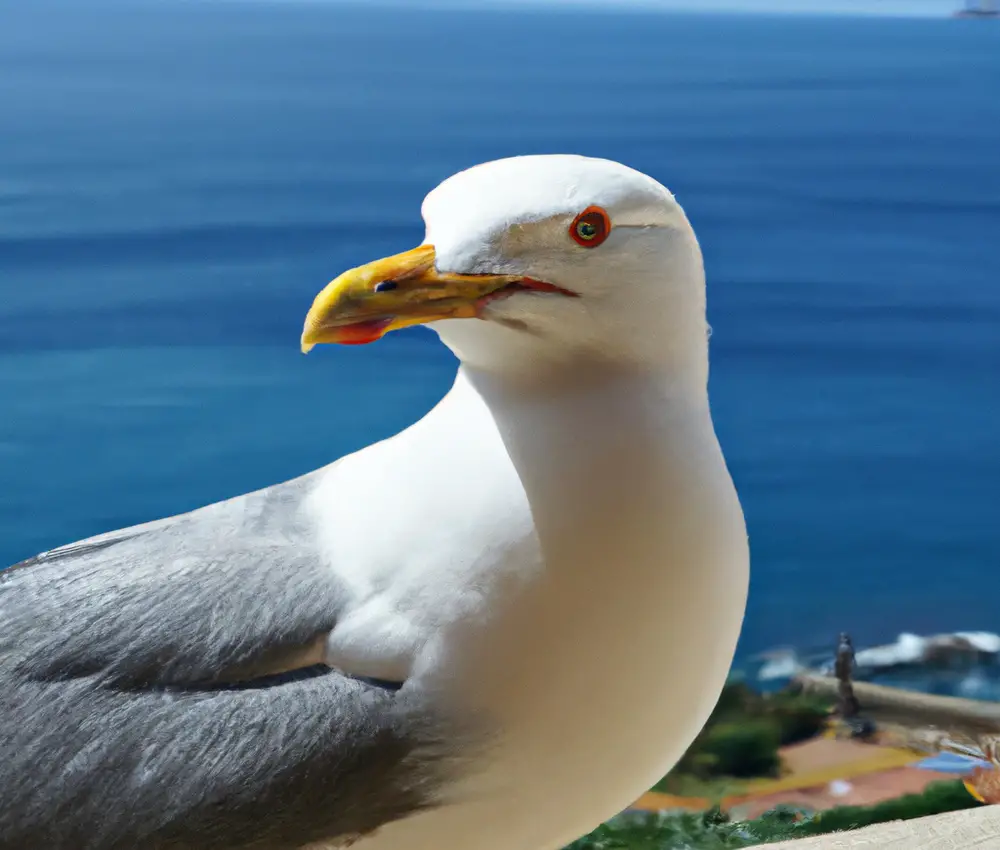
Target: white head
x: 534, y: 261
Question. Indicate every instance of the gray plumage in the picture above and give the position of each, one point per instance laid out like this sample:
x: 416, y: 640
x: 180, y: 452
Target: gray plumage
x: 136, y: 710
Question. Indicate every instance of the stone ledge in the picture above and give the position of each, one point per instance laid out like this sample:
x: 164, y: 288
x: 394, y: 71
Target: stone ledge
x: 971, y: 829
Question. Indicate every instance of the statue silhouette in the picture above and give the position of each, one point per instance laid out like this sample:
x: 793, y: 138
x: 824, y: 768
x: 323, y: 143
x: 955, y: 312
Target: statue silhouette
x: 847, y: 704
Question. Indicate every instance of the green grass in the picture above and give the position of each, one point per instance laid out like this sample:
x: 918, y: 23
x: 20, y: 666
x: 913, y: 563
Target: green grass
x: 712, y: 831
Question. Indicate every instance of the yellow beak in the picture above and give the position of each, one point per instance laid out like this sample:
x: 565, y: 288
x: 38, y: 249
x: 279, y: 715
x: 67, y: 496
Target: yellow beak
x: 365, y: 303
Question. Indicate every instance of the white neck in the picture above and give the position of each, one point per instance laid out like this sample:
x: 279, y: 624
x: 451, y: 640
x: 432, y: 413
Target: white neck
x: 617, y: 457
x: 642, y: 534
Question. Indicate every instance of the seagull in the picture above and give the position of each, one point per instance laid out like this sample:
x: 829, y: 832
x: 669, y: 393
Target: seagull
x: 492, y: 631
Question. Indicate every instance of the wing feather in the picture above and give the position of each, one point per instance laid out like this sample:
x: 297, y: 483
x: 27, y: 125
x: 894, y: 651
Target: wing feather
x: 159, y: 689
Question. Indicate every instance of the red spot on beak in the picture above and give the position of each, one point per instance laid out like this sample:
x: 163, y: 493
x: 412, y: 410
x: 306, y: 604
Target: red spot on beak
x: 361, y: 333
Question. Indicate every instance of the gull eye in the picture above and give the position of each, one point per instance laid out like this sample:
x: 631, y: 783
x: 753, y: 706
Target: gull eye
x: 591, y: 227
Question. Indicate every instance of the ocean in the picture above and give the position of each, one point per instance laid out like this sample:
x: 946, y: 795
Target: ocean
x: 178, y: 179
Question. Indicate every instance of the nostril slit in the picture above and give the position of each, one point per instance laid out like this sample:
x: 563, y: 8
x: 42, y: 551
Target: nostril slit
x: 385, y: 286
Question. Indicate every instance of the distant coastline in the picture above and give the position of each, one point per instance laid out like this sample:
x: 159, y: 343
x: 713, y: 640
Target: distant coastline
x: 955, y: 664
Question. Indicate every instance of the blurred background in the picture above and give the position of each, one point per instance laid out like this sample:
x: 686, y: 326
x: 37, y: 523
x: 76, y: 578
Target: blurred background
x: 177, y: 180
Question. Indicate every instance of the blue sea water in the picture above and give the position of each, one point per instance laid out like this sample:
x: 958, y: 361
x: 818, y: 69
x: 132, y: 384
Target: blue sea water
x: 177, y: 180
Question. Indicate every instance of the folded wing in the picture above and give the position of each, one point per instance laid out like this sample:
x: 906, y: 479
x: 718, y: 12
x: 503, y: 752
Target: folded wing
x: 160, y: 687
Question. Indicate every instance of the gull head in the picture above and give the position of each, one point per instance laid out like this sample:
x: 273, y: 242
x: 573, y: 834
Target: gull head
x: 536, y: 260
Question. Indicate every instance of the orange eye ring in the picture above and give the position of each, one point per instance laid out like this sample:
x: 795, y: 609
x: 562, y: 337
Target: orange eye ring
x: 591, y: 227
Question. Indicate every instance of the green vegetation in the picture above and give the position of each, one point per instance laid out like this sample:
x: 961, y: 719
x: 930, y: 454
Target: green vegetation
x: 938, y: 798
x: 742, y: 750
x: 742, y: 737
x: 712, y: 830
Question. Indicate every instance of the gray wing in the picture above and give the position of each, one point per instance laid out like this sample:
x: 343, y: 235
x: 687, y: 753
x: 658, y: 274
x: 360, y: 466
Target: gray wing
x: 155, y: 692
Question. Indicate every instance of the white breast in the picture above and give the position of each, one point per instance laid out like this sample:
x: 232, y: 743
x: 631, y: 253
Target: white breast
x: 598, y: 663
